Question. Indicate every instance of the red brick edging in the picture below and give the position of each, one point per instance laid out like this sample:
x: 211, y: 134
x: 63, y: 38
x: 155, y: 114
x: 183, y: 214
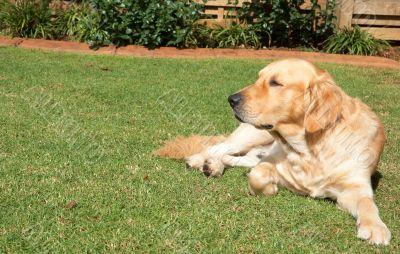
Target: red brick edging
x: 169, y: 52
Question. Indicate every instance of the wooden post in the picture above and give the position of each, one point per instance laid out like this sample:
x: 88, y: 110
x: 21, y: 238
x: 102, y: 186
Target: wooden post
x: 344, y: 13
x: 220, y: 13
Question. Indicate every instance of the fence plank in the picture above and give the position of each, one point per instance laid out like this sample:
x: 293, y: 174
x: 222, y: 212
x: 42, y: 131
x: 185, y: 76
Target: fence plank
x: 384, y: 33
x: 220, y: 13
x: 377, y: 7
x: 365, y: 20
x: 222, y: 3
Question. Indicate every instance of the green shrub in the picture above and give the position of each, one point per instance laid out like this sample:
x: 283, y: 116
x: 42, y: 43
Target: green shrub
x: 151, y: 23
x: 31, y: 18
x: 354, y: 41
x: 82, y: 23
x: 200, y: 36
x: 235, y: 36
x: 284, y: 23
x: 155, y: 23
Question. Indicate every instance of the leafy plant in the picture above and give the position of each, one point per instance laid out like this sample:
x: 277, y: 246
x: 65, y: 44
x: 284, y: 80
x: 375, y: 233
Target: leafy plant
x: 354, y: 41
x: 82, y: 23
x: 155, y: 23
x: 200, y: 36
x: 31, y: 18
x: 146, y: 22
x: 285, y: 23
x: 235, y: 36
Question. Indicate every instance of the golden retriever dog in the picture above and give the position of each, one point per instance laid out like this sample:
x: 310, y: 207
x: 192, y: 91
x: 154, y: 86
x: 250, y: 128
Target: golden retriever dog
x: 300, y: 131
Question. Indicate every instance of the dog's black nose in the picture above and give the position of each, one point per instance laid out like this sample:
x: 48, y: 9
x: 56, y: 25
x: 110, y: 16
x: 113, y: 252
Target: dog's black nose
x: 234, y: 99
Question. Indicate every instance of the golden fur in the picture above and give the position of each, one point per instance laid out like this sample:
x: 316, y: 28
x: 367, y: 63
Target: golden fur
x: 302, y: 132
x: 183, y: 147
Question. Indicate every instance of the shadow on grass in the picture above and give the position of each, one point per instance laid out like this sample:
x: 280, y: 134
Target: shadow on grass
x: 375, y: 178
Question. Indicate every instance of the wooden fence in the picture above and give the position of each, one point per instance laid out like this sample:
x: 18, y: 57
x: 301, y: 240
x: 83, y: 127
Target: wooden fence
x: 223, y: 12
x: 220, y: 11
x: 379, y: 17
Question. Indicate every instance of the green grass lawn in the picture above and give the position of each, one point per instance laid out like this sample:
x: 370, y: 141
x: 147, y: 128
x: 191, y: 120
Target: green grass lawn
x: 76, y: 174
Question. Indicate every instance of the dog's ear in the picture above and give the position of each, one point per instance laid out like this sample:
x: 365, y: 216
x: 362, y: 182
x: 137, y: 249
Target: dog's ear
x: 323, y: 104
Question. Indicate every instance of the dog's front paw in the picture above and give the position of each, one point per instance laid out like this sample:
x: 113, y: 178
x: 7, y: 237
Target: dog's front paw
x: 213, y: 168
x: 195, y: 161
x: 263, y: 180
x: 375, y: 232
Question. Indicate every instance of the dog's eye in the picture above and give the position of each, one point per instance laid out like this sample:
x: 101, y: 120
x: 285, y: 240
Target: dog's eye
x: 273, y: 82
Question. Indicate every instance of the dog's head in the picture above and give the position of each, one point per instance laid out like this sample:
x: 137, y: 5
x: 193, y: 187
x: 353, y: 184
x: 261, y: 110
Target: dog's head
x: 290, y: 91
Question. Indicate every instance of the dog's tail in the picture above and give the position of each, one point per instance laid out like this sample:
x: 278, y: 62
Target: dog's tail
x: 182, y: 147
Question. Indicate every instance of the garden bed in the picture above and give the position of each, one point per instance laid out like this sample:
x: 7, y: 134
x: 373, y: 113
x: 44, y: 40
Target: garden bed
x: 178, y: 23
x: 171, y: 52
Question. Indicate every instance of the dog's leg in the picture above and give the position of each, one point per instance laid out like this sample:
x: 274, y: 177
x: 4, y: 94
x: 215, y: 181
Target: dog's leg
x: 244, y: 138
x: 248, y: 161
x: 251, y: 159
x: 359, y: 202
x: 263, y: 179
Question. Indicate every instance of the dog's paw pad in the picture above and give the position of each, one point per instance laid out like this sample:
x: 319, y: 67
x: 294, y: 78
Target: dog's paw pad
x: 213, y: 168
x: 206, y: 170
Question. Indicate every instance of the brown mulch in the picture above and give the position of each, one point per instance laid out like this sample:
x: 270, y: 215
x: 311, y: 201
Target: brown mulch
x: 169, y: 52
x: 392, y: 53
